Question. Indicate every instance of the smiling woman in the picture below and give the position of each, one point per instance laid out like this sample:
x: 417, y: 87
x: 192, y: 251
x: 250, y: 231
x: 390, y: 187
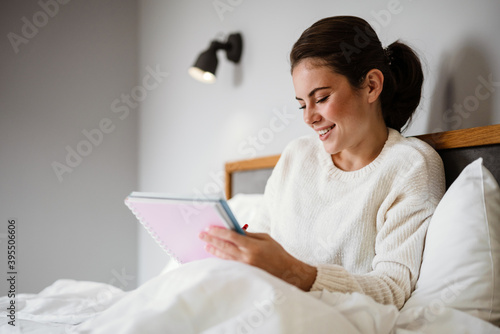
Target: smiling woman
x: 357, y: 182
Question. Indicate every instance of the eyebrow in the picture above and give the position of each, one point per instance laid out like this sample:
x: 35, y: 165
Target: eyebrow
x: 311, y: 93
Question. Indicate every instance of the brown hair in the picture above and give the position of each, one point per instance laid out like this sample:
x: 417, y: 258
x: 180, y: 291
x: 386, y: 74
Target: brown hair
x: 349, y: 46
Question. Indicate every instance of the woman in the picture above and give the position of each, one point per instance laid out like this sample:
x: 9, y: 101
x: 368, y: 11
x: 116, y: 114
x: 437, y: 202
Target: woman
x: 347, y: 208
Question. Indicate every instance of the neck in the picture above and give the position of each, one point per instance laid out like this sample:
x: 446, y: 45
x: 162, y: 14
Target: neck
x: 364, y: 152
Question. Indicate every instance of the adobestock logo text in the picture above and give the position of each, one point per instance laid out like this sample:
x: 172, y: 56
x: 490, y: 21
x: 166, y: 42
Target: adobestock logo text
x: 31, y: 27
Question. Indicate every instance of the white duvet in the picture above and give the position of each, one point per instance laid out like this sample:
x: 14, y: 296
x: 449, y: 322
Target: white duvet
x: 217, y: 296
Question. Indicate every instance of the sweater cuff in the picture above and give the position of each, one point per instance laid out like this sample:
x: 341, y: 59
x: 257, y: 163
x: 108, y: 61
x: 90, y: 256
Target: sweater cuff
x: 333, y: 277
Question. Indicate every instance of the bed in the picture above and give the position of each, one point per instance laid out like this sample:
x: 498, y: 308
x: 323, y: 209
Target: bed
x: 458, y: 289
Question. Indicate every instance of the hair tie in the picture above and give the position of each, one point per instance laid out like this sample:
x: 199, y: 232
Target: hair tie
x: 388, y: 55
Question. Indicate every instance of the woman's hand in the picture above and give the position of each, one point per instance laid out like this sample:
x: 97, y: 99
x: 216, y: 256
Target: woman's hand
x: 262, y: 251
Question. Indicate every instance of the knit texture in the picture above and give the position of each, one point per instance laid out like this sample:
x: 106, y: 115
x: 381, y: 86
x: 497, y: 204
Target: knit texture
x: 364, y: 230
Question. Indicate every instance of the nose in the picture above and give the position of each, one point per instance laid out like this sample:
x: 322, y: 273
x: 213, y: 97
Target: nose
x: 311, y: 116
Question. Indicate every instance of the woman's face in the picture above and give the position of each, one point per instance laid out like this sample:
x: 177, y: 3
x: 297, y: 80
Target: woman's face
x: 339, y: 114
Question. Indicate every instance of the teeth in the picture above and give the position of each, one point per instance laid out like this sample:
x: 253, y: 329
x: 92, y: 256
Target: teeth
x: 322, y: 132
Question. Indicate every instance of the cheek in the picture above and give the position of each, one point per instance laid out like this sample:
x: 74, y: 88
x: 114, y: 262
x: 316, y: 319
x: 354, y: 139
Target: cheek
x: 337, y: 108
x: 343, y: 107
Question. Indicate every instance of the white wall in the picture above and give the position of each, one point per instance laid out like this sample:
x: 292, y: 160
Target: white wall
x: 62, y: 81
x: 188, y: 129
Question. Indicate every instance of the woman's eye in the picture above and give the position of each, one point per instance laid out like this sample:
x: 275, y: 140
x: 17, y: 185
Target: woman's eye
x: 302, y: 107
x: 323, y: 99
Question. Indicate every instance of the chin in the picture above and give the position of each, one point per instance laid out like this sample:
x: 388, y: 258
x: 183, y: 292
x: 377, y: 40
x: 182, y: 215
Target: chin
x: 330, y: 149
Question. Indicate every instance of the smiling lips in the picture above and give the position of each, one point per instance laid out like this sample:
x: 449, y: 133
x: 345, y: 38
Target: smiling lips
x: 325, y: 131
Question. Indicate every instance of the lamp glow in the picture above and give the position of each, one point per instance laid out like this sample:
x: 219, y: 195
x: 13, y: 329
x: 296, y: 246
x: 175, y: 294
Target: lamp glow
x: 202, y: 76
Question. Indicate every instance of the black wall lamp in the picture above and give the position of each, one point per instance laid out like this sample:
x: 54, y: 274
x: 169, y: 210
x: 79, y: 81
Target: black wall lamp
x: 206, y: 64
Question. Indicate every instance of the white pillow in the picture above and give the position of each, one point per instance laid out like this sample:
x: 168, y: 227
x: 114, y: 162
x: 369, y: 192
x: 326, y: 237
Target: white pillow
x: 460, y: 266
x: 245, y: 206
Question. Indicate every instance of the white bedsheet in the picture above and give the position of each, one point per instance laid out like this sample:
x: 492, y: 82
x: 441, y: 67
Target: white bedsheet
x: 216, y: 296
x: 59, y: 307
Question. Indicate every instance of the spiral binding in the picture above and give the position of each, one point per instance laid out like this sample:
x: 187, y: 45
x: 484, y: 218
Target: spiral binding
x: 151, y: 232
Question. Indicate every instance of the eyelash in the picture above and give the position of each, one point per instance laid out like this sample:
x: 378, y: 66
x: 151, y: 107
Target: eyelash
x: 323, y: 99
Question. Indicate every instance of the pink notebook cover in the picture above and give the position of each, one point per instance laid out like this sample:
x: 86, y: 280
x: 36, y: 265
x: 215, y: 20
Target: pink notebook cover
x: 175, y: 225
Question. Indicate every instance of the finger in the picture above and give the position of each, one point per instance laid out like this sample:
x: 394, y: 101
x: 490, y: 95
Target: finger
x: 227, y: 234
x: 214, y: 251
x: 221, y: 244
x: 260, y: 236
x: 233, y: 236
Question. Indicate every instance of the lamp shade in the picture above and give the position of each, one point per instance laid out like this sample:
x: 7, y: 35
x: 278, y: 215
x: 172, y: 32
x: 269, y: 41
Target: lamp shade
x: 204, y: 68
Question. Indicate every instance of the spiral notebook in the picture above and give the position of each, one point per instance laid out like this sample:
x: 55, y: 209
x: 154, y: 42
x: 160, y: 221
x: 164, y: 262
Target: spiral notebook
x: 175, y: 222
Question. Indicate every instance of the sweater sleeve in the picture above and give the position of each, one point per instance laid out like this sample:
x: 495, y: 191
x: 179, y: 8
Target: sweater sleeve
x: 402, y: 224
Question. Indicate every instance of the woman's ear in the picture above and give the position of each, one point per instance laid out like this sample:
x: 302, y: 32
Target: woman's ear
x: 374, y: 82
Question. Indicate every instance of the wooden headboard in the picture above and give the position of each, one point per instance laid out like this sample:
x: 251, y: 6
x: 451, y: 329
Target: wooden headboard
x: 457, y: 148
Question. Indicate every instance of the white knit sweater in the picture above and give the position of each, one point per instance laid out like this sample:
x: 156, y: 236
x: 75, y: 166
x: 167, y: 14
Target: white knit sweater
x: 364, y: 230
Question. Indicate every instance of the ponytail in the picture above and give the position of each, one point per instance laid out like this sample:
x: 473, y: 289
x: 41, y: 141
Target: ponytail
x: 402, y: 85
